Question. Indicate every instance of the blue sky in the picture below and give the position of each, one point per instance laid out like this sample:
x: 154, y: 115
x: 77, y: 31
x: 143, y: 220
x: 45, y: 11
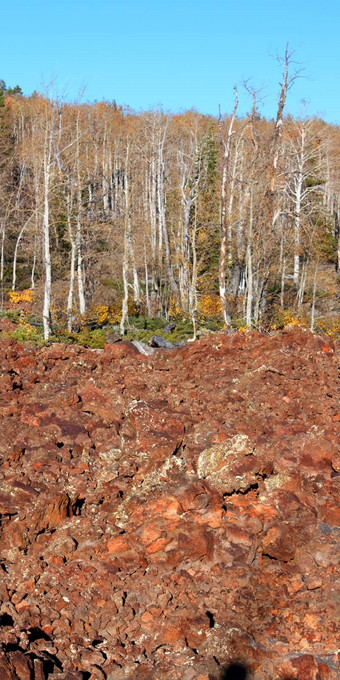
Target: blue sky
x: 178, y: 54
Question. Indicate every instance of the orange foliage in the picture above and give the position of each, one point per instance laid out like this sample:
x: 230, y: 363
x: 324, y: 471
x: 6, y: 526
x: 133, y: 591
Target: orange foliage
x: 17, y: 297
x: 209, y: 306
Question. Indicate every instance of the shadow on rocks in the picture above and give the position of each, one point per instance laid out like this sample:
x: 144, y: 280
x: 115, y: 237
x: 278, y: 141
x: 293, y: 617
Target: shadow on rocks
x: 238, y: 671
x: 235, y: 671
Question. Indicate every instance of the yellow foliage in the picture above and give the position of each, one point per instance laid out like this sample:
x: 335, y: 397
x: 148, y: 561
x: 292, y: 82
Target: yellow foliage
x: 100, y: 314
x: 330, y: 328
x: 288, y: 318
x: 209, y: 306
x: 132, y: 309
x: 25, y: 332
x: 175, y: 309
x: 97, y: 314
x: 18, y: 296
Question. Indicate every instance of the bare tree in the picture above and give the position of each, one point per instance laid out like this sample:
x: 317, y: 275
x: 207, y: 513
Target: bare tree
x: 224, y: 212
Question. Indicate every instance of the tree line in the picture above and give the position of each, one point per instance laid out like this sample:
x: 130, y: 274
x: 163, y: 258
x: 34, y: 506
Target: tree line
x: 160, y: 209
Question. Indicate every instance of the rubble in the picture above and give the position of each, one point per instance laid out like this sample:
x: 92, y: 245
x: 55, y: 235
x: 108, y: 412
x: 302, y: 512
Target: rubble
x: 173, y: 516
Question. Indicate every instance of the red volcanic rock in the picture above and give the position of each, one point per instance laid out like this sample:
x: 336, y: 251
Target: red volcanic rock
x: 173, y: 516
x: 279, y: 542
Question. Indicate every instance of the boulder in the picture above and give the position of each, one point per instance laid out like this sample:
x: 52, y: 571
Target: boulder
x: 143, y: 348
x: 160, y: 342
x: 169, y: 327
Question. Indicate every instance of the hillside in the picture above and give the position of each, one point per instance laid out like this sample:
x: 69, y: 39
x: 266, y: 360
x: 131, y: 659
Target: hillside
x: 164, y: 517
x: 151, y: 214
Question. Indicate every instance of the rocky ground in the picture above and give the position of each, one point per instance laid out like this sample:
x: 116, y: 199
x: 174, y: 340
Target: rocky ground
x: 165, y: 517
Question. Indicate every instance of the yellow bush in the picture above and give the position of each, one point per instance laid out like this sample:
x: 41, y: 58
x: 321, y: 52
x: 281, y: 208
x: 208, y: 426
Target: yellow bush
x: 174, y: 310
x: 19, y: 296
x: 25, y: 332
x: 209, y: 306
x: 100, y: 314
x: 288, y: 318
x: 330, y: 328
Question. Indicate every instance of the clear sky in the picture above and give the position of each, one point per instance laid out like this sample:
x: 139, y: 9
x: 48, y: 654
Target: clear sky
x: 179, y: 54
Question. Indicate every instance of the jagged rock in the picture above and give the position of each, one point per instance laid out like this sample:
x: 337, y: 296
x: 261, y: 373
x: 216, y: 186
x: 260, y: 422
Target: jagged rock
x: 159, y: 341
x: 75, y: 325
x: 204, y: 332
x: 143, y: 348
x: 171, y: 516
x: 169, y: 327
x: 113, y: 336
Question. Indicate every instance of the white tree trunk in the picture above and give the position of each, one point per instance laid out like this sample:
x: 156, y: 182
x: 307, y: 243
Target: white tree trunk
x: 15, y: 257
x: 71, y: 286
x: 32, y: 287
x: 80, y: 277
x: 249, y: 266
x: 297, y: 221
x: 125, y: 273
x: 105, y: 175
x: 283, y: 274
x: 162, y: 208
x: 225, y: 229
x: 127, y: 229
x: 194, y: 273
x: 72, y: 264
x: 46, y: 240
x: 301, y: 290
x: 136, y: 286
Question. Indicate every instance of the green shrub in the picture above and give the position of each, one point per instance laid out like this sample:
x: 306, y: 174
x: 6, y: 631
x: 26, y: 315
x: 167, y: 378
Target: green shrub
x: 11, y: 314
x: 30, y: 334
x: 93, y: 339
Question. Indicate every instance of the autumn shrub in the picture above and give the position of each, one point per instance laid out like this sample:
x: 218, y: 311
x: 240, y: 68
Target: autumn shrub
x: 94, y: 339
x: 288, y: 317
x: 175, y: 309
x: 146, y: 323
x: 11, y: 314
x: 330, y: 327
x: 184, y: 326
x: 17, y: 297
x: 213, y: 325
x: 100, y: 315
x: 144, y: 328
x: 209, y: 306
x: 137, y: 334
x: 25, y: 332
x: 62, y: 336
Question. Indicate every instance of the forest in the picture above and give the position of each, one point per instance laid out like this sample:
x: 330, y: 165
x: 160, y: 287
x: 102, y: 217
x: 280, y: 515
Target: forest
x: 108, y: 215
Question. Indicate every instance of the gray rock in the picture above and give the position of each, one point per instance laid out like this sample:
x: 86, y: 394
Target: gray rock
x: 75, y: 325
x: 113, y: 337
x: 159, y: 341
x: 169, y: 327
x: 143, y: 348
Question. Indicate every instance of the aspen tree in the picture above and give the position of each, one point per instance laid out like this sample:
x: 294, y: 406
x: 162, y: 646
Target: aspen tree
x: 223, y: 227
x: 301, y: 177
x: 127, y: 240
x: 193, y: 164
x: 49, y: 137
x: 79, y: 231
